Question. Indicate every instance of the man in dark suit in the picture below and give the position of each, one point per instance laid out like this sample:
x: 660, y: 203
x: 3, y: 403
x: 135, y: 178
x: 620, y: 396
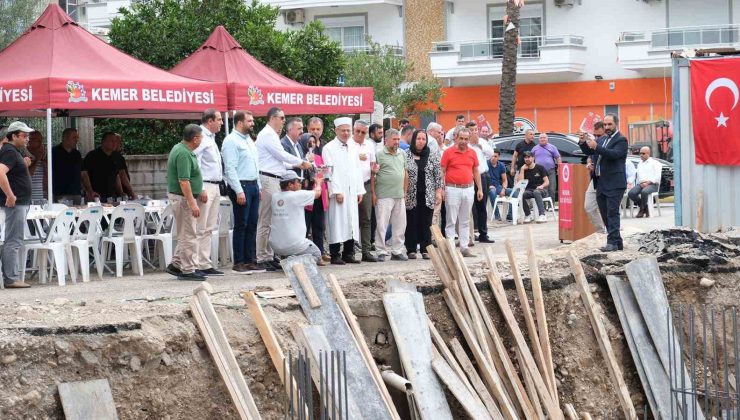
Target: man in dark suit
x: 293, y: 131
x: 608, y: 155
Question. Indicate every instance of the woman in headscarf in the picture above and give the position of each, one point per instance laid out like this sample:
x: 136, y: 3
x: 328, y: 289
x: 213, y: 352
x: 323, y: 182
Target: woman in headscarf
x: 424, y: 191
x: 315, y: 220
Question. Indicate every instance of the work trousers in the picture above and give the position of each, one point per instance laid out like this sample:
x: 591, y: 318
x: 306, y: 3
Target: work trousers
x: 458, y: 203
x: 390, y: 212
x: 270, y: 186
x: 207, y: 222
x: 15, y: 220
x: 418, y: 224
x: 245, y: 223
x: 185, y: 254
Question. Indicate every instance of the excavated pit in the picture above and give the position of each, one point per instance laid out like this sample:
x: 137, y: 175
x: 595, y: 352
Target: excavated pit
x: 159, y: 368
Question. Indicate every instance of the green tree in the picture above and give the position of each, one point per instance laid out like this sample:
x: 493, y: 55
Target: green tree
x: 17, y: 15
x: 507, y: 93
x: 164, y: 32
x: 387, y: 73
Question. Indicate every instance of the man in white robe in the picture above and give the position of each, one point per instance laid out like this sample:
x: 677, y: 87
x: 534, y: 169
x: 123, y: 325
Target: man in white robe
x: 345, y: 192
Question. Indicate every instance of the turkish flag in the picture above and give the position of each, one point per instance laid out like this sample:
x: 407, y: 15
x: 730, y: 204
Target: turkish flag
x: 715, y: 115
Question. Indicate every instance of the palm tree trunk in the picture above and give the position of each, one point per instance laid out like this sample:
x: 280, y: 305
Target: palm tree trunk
x: 507, y: 93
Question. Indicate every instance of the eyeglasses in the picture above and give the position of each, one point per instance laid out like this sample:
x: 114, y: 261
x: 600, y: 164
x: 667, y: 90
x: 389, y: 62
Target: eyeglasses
x: 281, y: 117
x: 360, y: 132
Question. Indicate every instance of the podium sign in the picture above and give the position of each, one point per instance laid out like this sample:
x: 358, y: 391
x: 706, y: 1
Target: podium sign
x: 573, y: 221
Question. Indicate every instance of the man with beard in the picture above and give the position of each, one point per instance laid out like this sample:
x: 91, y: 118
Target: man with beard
x: 526, y: 145
x: 375, y: 132
x: 609, y: 154
x: 241, y: 170
x: 346, y: 190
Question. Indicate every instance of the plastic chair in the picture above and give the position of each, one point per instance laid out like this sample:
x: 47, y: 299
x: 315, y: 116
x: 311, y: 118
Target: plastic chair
x: 162, y: 238
x: 57, y: 243
x: 514, y: 201
x: 222, y: 249
x: 545, y: 202
x: 87, y: 234
x: 654, y: 203
x: 132, y: 215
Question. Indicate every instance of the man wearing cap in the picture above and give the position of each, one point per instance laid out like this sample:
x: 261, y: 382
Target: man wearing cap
x: 273, y: 159
x: 345, y: 192
x: 288, y: 238
x: 15, y: 199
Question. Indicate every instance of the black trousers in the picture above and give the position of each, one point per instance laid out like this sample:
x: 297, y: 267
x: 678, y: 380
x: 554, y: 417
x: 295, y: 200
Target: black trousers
x: 418, y: 223
x: 442, y: 218
x: 316, y: 223
x: 608, y: 202
x: 480, y: 214
x: 348, y: 251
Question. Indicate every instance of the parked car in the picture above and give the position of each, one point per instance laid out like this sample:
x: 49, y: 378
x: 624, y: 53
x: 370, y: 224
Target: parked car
x: 570, y: 152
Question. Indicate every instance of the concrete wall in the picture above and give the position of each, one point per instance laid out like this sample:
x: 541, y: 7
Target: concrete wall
x: 148, y: 175
x: 423, y: 26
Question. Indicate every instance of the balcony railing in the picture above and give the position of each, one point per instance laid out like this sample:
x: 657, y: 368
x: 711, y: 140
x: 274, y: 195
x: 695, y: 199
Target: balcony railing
x: 690, y: 36
x: 494, y: 48
x: 351, y: 49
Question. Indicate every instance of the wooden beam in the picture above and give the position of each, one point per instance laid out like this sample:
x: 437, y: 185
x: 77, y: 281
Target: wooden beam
x: 456, y: 387
x: 444, y: 275
x: 360, y: 339
x: 266, y: 332
x: 475, y: 380
x: 552, y: 410
x: 530, y: 388
x: 441, y: 346
x: 602, y: 337
x: 534, y: 337
x: 570, y: 412
x: 300, y: 273
x: 540, y: 314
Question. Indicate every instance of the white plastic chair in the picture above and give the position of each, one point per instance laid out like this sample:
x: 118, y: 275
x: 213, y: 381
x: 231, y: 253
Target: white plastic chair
x: 58, y: 243
x: 222, y: 250
x: 545, y: 202
x: 654, y: 203
x: 514, y: 201
x: 162, y: 238
x: 87, y: 235
x: 132, y: 215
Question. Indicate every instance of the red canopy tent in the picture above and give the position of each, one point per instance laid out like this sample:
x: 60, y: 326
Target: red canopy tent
x: 59, y: 67
x: 255, y: 87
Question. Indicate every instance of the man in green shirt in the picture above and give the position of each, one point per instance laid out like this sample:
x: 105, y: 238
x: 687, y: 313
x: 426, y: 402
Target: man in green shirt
x: 184, y: 183
x: 388, y: 187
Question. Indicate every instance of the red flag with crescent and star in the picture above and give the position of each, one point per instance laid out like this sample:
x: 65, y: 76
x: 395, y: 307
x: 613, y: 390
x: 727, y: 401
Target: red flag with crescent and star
x: 715, y: 112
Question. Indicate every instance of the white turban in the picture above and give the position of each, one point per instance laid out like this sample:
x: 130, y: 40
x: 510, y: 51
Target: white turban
x: 342, y: 121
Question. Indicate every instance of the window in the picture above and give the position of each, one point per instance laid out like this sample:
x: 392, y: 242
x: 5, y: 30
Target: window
x: 348, y: 31
x: 530, y: 30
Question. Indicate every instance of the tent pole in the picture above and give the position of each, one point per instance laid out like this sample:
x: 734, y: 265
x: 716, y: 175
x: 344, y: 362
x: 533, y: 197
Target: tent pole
x: 226, y: 123
x: 48, y: 156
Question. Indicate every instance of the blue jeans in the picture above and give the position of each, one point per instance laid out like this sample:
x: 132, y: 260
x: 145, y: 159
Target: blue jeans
x: 492, y: 194
x: 245, y: 223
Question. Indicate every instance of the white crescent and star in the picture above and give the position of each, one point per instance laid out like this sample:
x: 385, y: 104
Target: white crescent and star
x: 716, y: 84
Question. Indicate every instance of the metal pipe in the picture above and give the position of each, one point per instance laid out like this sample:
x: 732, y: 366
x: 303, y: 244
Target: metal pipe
x: 49, y: 145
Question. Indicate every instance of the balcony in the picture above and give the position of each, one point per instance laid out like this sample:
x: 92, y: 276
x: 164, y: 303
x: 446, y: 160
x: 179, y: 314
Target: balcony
x: 646, y: 51
x: 538, y: 55
x: 366, y: 49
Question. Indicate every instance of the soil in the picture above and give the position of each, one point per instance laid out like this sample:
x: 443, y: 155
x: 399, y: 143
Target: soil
x: 159, y: 368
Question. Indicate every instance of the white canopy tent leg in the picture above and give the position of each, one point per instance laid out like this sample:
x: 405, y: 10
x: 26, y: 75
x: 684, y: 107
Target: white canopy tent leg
x: 48, y: 155
x: 226, y: 122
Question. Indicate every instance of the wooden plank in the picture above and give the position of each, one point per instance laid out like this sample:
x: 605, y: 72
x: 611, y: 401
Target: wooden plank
x: 602, y: 338
x: 441, y: 346
x: 540, y: 314
x: 362, y: 345
x: 501, y: 359
x: 444, y: 275
x: 470, y: 404
x: 330, y: 317
x: 441, y: 242
x: 300, y: 272
x: 534, y: 337
x: 87, y: 400
x: 266, y: 332
x: 570, y: 412
x: 586, y: 416
x: 274, y: 294
x: 414, y: 345
x: 552, y: 410
x: 475, y: 380
x: 493, y: 381
x: 218, y: 345
x: 529, y: 383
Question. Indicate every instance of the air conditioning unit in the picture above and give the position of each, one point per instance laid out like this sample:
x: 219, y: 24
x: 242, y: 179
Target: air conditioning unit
x: 561, y: 3
x: 295, y: 16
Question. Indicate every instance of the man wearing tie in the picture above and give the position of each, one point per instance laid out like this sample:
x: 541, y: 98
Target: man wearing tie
x: 293, y: 131
x: 609, y: 154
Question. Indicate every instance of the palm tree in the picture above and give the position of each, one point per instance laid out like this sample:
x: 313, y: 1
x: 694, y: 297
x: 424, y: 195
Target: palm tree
x: 507, y: 93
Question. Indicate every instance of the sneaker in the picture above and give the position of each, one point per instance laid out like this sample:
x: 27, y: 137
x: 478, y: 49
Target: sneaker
x: 239, y: 268
x: 382, y: 257
x: 212, y: 272
x: 171, y: 269
x: 486, y: 240
x: 399, y: 257
x: 253, y: 268
x: 528, y: 219
x: 265, y: 265
x: 424, y: 255
x: 17, y: 285
x: 337, y: 261
x: 467, y: 253
x: 194, y: 276
x: 350, y: 259
x: 412, y: 255
x: 275, y: 264
x: 541, y: 219
x: 369, y: 258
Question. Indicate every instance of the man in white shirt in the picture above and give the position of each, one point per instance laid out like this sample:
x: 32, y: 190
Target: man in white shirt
x: 209, y: 202
x: 273, y: 159
x: 287, y: 237
x: 436, y: 140
x: 480, y: 214
x: 346, y: 190
x: 366, y: 152
x: 646, y: 182
x: 450, y: 136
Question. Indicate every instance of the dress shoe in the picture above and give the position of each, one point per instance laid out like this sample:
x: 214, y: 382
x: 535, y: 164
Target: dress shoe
x: 412, y: 255
x: 337, y: 261
x: 369, y: 258
x: 194, y: 276
x: 350, y: 259
x: 212, y: 272
x: 424, y: 255
x: 17, y: 285
x: 486, y: 240
x: 265, y: 265
x: 171, y: 269
x: 326, y: 258
x: 239, y: 268
x: 640, y: 213
x: 609, y: 248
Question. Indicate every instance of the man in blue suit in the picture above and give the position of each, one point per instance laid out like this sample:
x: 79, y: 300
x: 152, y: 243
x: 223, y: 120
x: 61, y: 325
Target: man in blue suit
x: 608, y: 154
x: 293, y: 131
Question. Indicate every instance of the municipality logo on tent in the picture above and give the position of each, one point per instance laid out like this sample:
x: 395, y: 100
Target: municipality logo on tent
x: 76, y: 92
x: 255, y: 96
